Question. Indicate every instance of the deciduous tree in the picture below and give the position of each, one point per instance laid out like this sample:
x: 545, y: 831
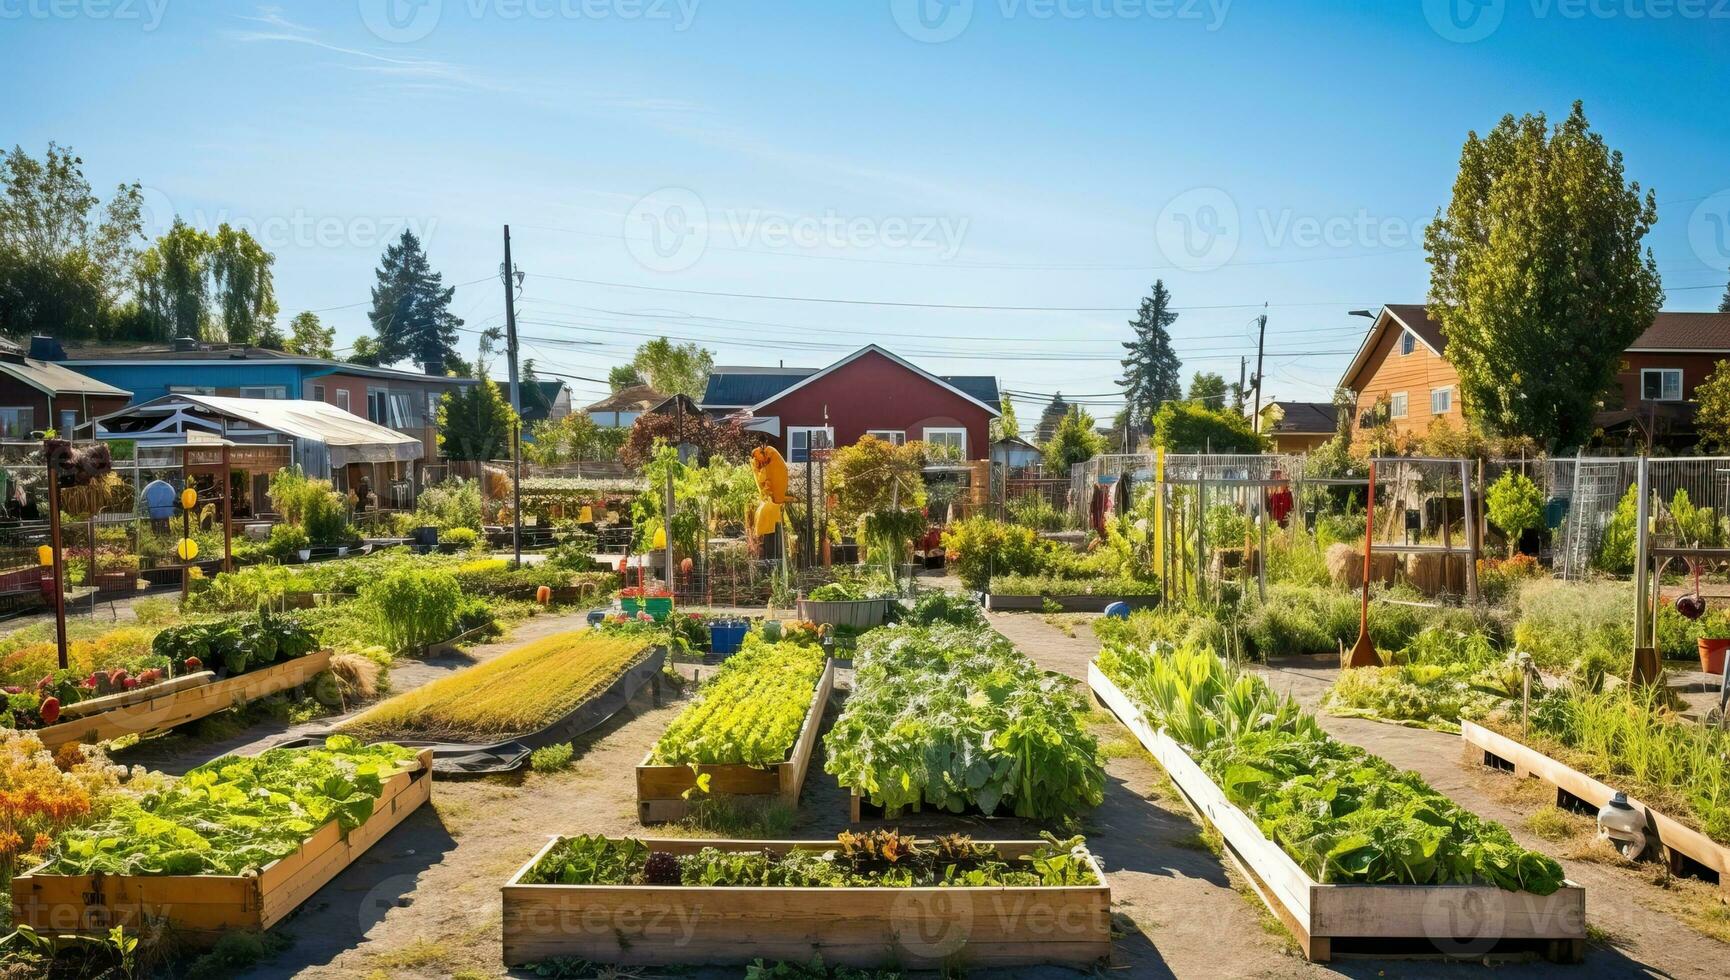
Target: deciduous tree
x: 1074, y: 441
x: 1185, y: 427
x: 1207, y: 389
x: 1516, y: 505
x: 308, y: 337
x: 674, y: 369
x: 1538, y: 275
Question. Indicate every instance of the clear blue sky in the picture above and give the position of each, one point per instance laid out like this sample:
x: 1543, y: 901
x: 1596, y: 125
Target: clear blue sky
x: 1053, y: 154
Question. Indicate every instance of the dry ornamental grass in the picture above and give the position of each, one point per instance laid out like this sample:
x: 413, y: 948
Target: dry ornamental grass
x: 521, y: 692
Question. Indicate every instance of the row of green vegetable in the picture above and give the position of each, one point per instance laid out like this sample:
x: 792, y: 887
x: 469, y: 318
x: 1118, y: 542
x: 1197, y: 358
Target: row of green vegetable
x: 750, y: 712
x: 1343, y: 815
x: 955, y: 718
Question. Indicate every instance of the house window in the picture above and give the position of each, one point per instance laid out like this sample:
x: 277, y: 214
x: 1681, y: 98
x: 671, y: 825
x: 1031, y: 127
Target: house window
x: 16, y: 423
x: 1441, y: 400
x: 1397, y: 405
x: 1661, y: 385
x: 68, y: 422
x: 191, y: 390
x: 263, y: 391
x: 894, y: 437
x: 375, y: 405
x: 1408, y: 342
x: 801, y: 439
x: 318, y: 393
x: 432, y: 407
x: 342, y: 400
x: 955, y: 439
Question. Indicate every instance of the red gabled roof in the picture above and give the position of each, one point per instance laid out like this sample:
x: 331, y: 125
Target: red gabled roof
x: 943, y: 383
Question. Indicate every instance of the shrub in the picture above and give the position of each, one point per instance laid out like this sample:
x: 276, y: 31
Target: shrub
x: 1516, y: 505
x: 413, y: 608
x: 1561, y: 623
x: 286, y: 541
x: 1616, y: 548
x: 980, y: 547
x: 453, y: 503
x: 938, y: 606
x: 551, y: 758
x: 1035, y: 512
x: 461, y: 538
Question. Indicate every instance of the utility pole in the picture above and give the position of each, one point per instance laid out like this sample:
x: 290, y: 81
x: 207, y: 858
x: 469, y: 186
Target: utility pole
x: 1260, y: 349
x: 1242, y: 368
x: 508, y: 273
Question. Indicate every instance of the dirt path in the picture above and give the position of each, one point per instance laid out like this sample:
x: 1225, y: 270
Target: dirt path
x: 1636, y: 916
x: 1642, y: 940
x: 424, y: 902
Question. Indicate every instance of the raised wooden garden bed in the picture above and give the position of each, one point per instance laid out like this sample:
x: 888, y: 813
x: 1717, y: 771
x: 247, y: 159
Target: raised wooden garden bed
x: 201, y: 908
x: 1686, y: 850
x: 1453, y: 921
x: 912, y: 928
x: 175, y: 702
x: 664, y: 792
x: 860, y: 614
x: 1069, y: 603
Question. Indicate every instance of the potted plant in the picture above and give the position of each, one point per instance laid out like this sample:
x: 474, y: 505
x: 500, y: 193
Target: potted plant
x: 631, y: 601
x: 659, y: 604
x: 1714, y: 640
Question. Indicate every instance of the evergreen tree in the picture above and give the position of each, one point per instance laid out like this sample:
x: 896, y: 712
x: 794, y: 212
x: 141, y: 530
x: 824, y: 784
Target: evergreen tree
x: 1050, y: 418
x: 475, y: 423
x: 411, y: 309
x: 1005, y: 426
x: 1207, y: 388
x: 1724, y: 304
x: 1150, y: 372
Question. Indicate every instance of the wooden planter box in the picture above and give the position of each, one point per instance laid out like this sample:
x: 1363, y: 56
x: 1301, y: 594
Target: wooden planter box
x: 662, y: 790
x: 1070, y: 603
x: 912, y: 928
x: 860, y: 614
x: 1682, y: 845
x: 200, y: 908
x: 1453, y: 921
x: 180, y: 700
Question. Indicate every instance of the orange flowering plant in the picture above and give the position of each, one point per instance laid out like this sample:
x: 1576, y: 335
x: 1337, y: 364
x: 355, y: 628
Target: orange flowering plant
x: 42, y: 795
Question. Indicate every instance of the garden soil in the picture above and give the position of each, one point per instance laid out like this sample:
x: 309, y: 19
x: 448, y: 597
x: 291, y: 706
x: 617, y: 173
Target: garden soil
x: 424, y: 902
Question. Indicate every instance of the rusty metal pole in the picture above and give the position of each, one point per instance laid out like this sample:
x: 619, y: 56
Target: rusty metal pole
x: 227, y: 512
x: 59, y: 563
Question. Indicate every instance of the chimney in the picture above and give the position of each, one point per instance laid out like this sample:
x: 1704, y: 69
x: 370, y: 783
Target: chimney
x: 46, y: 349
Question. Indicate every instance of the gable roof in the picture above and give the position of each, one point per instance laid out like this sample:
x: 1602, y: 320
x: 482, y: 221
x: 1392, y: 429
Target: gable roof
x: 753, y: 388
x: 53, y: 379
x: 1305, y: 418
x: 742, y: 387
x: 1705, y: 332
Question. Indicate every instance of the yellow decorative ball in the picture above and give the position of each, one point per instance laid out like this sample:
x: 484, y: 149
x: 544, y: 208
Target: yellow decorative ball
x: 187, y: 549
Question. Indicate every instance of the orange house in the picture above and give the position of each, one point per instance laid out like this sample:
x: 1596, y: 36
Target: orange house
x: 1402, y: 365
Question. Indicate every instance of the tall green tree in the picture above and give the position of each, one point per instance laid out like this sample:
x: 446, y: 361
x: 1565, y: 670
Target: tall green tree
x: 1538, y: 275
x: 475, y: 423
x: 1150, y: 372
x: 1724, y: 304
x: 308, y: 337
x: 411, y: 313
x: 623, y: 376
x: 1187, y: 427
x: 172, y: 283
x: 1005, y: 426
x: 241, y: 283
x: 65, y: 256
x: 1075, y: 440
x: 1207, y: 388
x: 674, y: 369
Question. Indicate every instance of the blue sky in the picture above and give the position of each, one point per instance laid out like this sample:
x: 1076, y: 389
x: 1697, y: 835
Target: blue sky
x: 1013, y: 174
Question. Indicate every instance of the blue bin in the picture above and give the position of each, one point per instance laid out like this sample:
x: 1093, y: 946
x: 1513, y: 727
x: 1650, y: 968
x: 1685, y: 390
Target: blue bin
x: 726, y: 636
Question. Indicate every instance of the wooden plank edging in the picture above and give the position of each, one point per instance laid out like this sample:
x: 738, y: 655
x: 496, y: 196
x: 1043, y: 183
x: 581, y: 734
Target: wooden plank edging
x: 1671, y: 834
x: 661, y: 789
x: 1456, y: 921
x: 871, y: 927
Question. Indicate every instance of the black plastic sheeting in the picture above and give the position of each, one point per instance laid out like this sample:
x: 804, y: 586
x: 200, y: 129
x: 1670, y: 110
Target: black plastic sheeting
x: 457, y: 760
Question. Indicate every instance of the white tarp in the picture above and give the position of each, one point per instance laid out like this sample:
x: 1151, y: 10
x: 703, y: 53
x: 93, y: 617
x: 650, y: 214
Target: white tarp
x: 348, y: 437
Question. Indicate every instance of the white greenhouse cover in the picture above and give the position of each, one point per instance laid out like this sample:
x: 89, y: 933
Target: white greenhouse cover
x: 350, y: 438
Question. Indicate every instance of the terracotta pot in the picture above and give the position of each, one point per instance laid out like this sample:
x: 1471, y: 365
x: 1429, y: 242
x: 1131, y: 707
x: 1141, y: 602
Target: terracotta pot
x: 1712, y: 650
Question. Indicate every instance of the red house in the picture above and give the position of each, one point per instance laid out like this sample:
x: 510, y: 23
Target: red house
x: 869, y: 392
